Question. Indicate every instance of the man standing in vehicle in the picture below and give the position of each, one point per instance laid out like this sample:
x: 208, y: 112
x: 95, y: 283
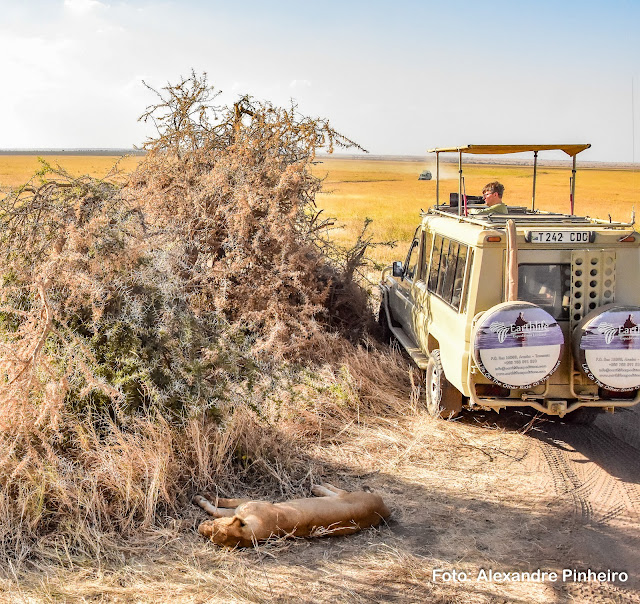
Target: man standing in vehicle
x: 492, y: 194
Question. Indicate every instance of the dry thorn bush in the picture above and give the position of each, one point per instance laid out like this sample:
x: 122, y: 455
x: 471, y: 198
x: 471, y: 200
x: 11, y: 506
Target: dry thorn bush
x: 187, y: 326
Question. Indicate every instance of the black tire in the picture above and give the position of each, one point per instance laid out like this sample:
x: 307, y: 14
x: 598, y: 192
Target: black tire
x: 385, y: 331
x: 584, y: 416
x: 443, y: 399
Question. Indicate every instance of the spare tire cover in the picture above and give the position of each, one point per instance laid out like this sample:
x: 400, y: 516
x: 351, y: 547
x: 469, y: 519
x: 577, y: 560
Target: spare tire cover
x: 607, y: 347
x: 517, y: 344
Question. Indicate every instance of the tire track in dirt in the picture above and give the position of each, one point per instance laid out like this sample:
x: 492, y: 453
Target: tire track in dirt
x: 598, y: 470
x: 565, y: 480
x: 623, y: 460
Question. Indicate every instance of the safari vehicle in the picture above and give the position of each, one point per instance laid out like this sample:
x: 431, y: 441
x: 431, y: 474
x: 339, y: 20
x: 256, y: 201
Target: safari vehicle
x: 529, y: 308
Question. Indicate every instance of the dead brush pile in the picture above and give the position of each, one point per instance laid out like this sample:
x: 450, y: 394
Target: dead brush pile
x: 188, y: 326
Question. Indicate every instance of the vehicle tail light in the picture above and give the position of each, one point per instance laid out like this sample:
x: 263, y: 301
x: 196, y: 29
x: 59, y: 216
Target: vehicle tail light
x: 603, y: 393
x: 492, y: 390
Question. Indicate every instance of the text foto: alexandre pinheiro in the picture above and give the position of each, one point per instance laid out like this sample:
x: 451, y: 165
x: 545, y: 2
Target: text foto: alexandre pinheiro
x: 566, y: 575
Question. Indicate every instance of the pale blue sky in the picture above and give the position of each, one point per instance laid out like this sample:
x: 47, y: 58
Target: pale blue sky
x: 399, y: 77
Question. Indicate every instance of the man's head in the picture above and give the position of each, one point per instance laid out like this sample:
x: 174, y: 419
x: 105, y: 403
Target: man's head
x: 492, y: 193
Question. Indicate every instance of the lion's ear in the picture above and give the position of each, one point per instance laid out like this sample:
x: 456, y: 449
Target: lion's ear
x: 238, y: 522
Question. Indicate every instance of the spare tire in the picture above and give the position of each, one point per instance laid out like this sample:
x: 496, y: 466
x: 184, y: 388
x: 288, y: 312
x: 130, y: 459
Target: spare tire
x: 517, y: 344
x: 607, y: 347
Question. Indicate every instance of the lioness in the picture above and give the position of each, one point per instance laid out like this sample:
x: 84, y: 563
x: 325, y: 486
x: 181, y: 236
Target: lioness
x: 242, y: 522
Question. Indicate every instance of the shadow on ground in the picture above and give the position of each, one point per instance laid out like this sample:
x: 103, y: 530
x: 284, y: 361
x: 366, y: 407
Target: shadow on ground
x: 603, y: 442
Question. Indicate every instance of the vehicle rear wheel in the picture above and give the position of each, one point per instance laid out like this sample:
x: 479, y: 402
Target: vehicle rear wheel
x: 443, y: 399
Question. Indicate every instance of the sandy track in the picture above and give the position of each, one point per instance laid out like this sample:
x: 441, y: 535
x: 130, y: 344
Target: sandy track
x: 596, y: 468
x: 595, y: 471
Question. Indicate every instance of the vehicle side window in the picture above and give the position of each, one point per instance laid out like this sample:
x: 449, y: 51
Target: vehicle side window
x: 427, y: 240
x: 458, y: 282
x: 444, y: 264
x: 449, y: 277
x: 435, y: 264
x: 412, y: 260
x: 465, y: 298
x: 447, y: 270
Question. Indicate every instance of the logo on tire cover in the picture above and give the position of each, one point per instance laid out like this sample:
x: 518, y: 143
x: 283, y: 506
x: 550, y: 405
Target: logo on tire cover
x: 518, y: 345
x: 609, y: 349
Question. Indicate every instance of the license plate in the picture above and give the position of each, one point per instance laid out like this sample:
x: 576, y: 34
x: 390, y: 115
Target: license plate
x: 559, y: 236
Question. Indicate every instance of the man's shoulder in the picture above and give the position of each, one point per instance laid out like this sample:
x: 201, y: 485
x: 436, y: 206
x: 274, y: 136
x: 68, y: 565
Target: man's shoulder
x: 499, y: 208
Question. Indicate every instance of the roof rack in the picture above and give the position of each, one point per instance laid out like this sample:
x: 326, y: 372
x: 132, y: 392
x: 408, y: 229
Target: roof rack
x: 524, y: 217
x: 570, y: 149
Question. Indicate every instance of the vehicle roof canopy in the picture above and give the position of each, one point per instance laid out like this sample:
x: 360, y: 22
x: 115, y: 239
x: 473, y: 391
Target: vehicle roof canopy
x: 571, y: 150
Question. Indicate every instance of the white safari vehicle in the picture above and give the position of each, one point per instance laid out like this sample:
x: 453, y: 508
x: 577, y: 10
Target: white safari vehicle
x: 528, y: 308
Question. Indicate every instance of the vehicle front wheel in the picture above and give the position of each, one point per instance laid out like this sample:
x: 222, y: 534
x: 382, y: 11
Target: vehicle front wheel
x: 443, y: 399
x: 386, y: 334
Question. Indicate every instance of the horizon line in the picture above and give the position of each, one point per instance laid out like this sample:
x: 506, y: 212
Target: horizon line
x: 363, y: 156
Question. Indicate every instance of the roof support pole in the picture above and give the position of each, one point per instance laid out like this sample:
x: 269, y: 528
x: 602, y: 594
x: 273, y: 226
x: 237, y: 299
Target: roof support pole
x: 573, y: 184
x: 459, y: 183
x: 535, y: 172
x: 437, y: 179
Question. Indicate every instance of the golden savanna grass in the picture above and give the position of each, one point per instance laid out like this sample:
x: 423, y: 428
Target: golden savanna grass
x: 390, y: 193
x: 15, y: 170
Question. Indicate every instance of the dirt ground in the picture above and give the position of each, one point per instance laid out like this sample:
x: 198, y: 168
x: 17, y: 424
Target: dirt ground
x: 483, y: 494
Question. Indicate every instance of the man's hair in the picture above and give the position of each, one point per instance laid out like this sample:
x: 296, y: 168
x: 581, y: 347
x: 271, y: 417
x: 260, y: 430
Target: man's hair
x: 494, y: 187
